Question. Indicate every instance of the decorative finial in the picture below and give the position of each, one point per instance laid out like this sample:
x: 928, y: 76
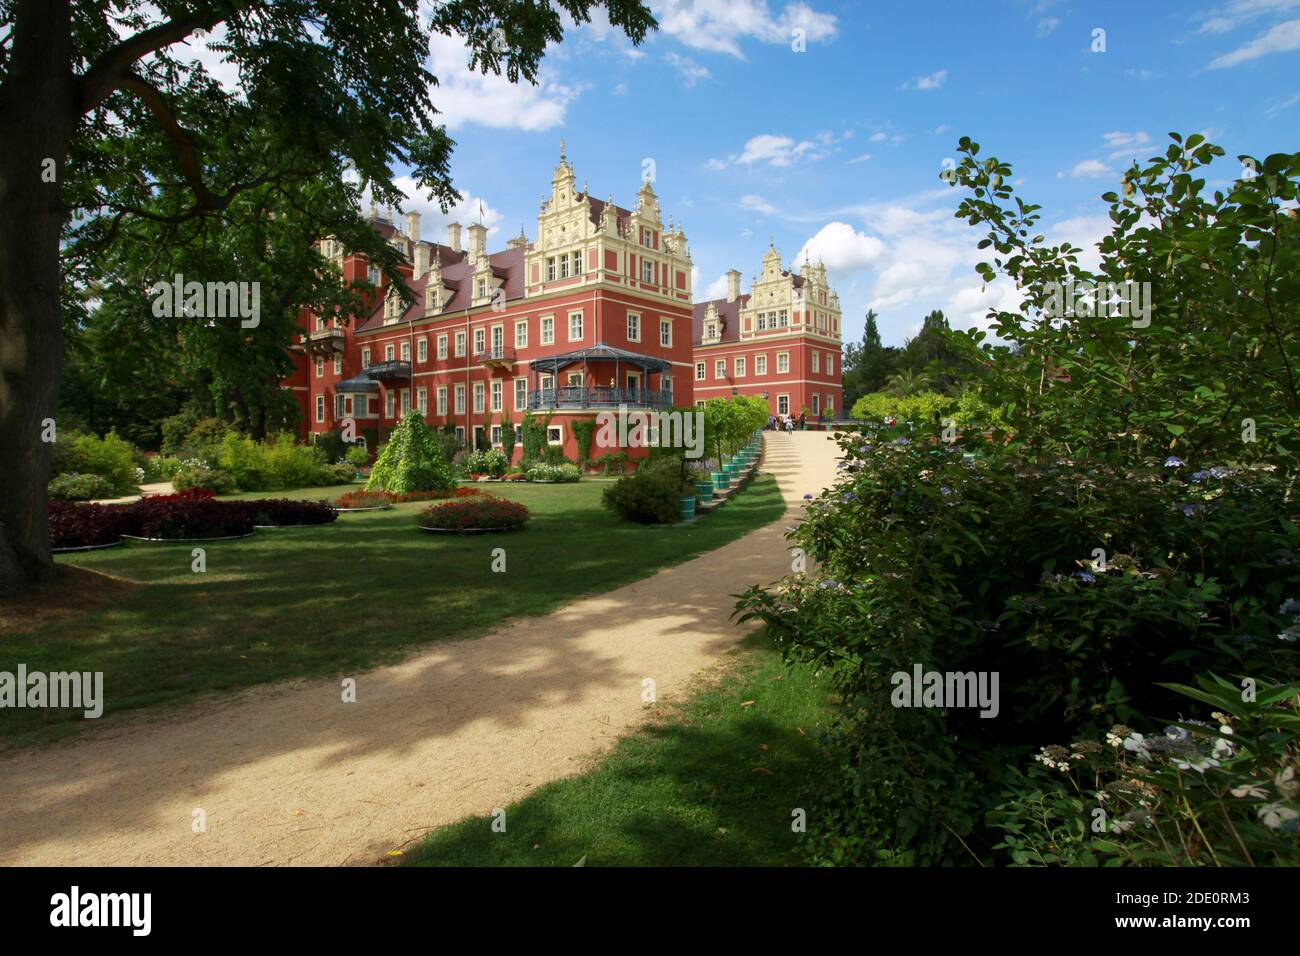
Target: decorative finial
x: 586, y: 188
x: 562, y: 157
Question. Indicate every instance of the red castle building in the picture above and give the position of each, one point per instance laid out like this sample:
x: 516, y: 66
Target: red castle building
x: 781, y: 341
x: 594, y: 314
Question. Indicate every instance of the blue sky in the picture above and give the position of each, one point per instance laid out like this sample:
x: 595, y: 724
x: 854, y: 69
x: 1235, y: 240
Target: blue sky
x: 837, y: 149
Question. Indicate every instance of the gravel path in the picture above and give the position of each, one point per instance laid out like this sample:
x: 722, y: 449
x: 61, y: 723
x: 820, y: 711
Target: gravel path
x: 292, y: 775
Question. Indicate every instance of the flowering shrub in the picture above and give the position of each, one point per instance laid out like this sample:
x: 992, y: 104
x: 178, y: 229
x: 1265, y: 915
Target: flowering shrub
x: 1084, y: 586
x: 490, y: 462
x: 563, y: 473
x: 193, y: 474
x: 477, y: 513
x: 1224, y: 792
x: 78, y: 487
x: 111, y: 458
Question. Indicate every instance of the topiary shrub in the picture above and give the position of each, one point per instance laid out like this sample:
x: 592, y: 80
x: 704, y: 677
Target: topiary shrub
x: 412, y: 460
x: 647, y: 497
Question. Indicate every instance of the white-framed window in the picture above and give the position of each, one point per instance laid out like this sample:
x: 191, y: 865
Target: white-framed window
x: 548, y: 330
x: 666, y: 333
x: 699, y: 371
x: 460, y: 399
x: 550, y: 269
x: 460, y: 344
x: 817, y: 403
x: 320, y: 409
x: 521, y: 394
x: 338, y: 364
x: 564, y: 265
x: 406, y: 400
x: 496, y: 434
x: 720, y: 368
x: 816, y: 361
x: 740, y: 366
x: 422, y: 350
x: 711, y: 331
x: 365, y: 358
x: 577, y: 263
x: 783, y: 404
x: 482, y: 288
x: 760, y: 364
x: 460, y: 434
x: 442, y: 346
x: 480, y: 341
x: 442, y: 399
x: 828, y: 406
x: 320, y: 367
x: 554, y: 435
x: 406, y: 351
x: 782, y: 364
x: 633, y: 327
x: 575, y: 326
x: 338, y: 405
x: 498, y: 396
x: 830, y: 364
x: 647, y: 271
x: 666, y: 383
x: 479, y: 392
x: 388, y: 353
x: 373, y: 275
x: 519, y: 434
x: 390, y: 404
x: 521, y: 334
x: 422, y: 400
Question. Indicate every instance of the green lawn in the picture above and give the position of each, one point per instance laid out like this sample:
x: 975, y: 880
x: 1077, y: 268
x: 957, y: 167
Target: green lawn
x: 304, y: 602
x: 713, y: 783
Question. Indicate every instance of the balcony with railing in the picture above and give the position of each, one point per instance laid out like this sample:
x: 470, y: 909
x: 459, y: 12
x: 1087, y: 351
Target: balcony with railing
x: 598, y: 396
x: 389, y: 371
x: 324, y: 341
x: 496, y: 356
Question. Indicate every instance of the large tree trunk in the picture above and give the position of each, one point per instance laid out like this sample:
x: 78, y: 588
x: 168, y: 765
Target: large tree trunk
x: 37, y: 106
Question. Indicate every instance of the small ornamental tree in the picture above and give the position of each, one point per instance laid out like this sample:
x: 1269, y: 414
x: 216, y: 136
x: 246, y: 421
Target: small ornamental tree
x: 412, y: 460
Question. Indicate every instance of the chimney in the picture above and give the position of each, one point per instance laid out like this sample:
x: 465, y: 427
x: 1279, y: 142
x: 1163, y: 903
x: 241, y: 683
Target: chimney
x: 733, y: 285
x: 453, y: 236
x: 421, y: 257
x: 477, y: 243
x: 413, y: 226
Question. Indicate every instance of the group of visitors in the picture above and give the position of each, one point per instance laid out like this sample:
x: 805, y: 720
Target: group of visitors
x: 784, y: 423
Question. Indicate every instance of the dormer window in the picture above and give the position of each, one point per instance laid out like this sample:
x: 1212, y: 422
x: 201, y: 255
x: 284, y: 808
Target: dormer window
x: 482, y: 288
x: 711, y: 332
x: 373, y: 275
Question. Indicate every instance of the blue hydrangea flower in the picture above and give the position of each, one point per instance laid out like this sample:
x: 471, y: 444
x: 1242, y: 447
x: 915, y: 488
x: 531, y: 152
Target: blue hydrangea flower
x: 1192, y: 509
x: 1173, y: 462
x: 1200, y: 476
x: 1085, y: 577
x: 1289, y: 606
x: 807, y: 497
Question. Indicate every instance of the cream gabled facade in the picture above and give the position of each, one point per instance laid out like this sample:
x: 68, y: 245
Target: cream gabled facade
x: 781, y: 340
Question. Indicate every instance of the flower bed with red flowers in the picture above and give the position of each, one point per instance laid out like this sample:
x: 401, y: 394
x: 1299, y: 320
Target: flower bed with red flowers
x: 378, y: 499
x: 78, y: 525
x: 176, y: 517
x: 288, y: 513
x: 474, y: 513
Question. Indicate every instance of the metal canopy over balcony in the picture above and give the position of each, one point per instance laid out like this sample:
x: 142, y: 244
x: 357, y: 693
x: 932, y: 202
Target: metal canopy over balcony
x: 361, y: 382
x: 598, y: 396
x: 601, y: 353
